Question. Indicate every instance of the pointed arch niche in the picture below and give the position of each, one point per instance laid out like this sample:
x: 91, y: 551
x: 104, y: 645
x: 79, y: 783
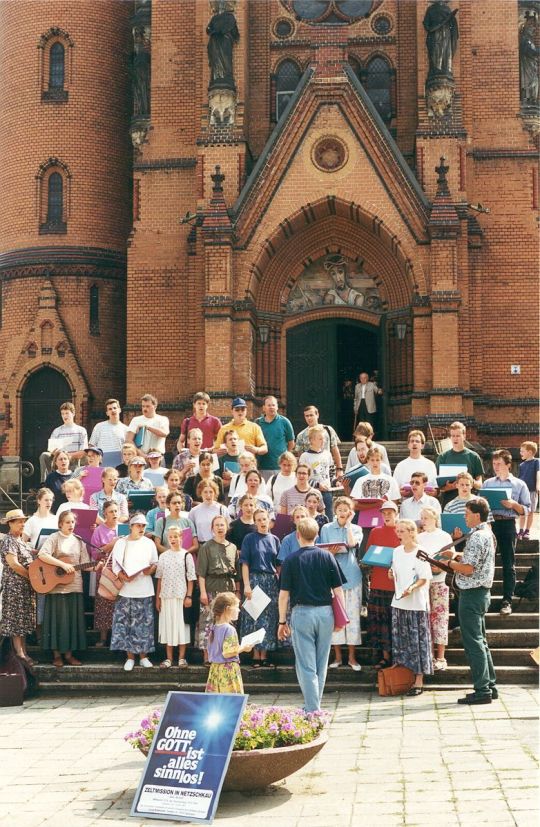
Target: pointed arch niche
x: 332, y: 227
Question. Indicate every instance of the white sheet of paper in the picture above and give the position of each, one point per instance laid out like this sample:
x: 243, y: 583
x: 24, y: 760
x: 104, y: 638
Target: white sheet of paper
x: 58, y: 442
x: 451, y: 470
x: 253, y: 638
x: 258, y: 602
x: 215, y: 462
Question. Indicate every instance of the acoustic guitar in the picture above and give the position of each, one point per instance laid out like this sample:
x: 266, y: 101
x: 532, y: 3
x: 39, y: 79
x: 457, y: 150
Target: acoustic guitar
x: 440, y: 564
x: 44, y: 577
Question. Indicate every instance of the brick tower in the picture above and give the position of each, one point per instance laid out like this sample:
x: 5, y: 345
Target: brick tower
x: 65, y: 211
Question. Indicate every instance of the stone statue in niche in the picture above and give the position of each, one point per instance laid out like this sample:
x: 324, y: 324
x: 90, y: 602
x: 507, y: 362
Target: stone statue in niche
x: 141, y: 71
x: 441, y: 41
x: 223, y: 33
x: 334, y: 280
x: 529, y: 63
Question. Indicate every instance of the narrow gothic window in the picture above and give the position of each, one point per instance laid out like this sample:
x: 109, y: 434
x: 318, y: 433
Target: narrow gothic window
x: 287, y: 78
x: 378, y: 85
x: 56, y: 66
x: 55, y: 199
x: 94, y: 310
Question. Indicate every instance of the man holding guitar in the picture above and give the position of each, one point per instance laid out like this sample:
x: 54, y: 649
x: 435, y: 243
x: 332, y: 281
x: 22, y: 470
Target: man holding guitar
x: 475, y: 569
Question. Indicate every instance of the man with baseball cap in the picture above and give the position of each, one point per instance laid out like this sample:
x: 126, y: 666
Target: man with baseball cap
x: 249, y: 432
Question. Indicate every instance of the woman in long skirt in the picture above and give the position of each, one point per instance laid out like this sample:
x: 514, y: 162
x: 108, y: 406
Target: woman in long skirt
x: 134, y: 560
x: 411, y: 637
x: 18, y: 616
x: 64, y: 629
x: 258, y: 558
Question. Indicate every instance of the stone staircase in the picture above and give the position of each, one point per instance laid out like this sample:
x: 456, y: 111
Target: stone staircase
x: 510, y: 638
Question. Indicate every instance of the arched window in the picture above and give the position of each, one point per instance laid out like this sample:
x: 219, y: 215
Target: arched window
x: 377, y: 80
x: 56, y: 66
x: 94, y: 310
x: 287, y: 78
x: 55, y: 198
x: 52, y: 191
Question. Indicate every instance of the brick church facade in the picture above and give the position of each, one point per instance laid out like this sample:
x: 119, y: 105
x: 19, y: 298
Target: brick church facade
x: 254, y: 197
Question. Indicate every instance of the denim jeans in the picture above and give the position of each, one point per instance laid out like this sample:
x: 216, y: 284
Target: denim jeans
x: 312, y: 628
x: 328, y: 504
x: 473, y: 605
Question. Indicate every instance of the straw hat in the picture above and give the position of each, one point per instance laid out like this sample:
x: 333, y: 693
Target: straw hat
x: 14, y: 514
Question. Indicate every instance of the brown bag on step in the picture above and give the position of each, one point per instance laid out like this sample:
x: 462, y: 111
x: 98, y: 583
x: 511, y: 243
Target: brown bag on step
x: 395, y: 680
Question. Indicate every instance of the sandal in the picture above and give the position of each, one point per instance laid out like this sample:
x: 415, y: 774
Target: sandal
x: 267, y: 664
x: 73, y: 661
x: 414, y: 691
x: 182, y: 663
x: 382, y: 664
x: 165, y: 664
x: 256, y: 664
x: 58, y: 662
x: 207, y: 664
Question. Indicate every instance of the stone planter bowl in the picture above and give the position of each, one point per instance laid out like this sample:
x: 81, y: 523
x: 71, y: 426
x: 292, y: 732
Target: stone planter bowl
x: 258, y: 768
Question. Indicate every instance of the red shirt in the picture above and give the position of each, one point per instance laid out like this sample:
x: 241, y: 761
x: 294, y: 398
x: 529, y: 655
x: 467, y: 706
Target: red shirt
x: 209, y: 426
x: 383, y: 536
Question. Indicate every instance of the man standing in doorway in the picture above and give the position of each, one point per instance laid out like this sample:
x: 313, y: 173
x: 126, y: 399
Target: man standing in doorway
x: 365, y: 399
x: 278, y: 433
x: 308, y: 577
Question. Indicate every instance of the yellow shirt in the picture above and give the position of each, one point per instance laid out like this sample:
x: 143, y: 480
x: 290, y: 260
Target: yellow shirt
x: 250, y: 432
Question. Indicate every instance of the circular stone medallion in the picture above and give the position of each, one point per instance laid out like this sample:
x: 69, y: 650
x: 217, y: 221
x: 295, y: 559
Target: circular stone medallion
x: 329, y: 154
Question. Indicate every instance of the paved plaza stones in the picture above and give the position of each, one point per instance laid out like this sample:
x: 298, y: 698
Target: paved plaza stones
x: 388, y: 761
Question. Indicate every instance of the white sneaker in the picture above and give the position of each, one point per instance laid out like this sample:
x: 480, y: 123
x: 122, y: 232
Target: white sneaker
x: 506, y: 609
x: 146, y: 663
x: 129, y: 664
x: 363, y: 611
x: 440, y: 664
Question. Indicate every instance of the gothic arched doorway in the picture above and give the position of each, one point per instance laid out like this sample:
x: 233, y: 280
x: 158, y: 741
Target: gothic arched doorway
x: 323, y: 355
x: 42, y: 395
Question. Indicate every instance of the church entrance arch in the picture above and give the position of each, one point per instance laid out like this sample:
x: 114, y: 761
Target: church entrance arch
x: 323, y: 359
x: 41, y: 397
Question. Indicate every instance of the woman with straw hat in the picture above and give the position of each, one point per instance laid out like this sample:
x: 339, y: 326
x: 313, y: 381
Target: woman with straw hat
x: 18, y: 604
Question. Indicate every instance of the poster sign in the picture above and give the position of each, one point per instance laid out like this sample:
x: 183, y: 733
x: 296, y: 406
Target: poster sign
x: 189, y: 757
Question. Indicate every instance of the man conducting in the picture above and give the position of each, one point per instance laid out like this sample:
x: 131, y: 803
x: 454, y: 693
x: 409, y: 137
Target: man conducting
x: 475, y: 569
x: 308, y: 577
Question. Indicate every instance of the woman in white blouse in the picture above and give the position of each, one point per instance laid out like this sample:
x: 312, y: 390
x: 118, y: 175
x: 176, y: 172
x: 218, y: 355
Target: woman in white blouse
x: 134, y: 560
x: 411, y: 638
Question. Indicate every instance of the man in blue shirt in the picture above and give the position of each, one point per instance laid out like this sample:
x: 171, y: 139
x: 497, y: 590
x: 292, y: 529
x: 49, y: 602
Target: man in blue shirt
x: 308, y: 577
x: 278, y: 433
x: 504, y: 525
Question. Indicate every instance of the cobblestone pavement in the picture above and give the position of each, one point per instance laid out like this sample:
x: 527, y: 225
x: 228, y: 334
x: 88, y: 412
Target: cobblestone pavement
x: 388, y: 761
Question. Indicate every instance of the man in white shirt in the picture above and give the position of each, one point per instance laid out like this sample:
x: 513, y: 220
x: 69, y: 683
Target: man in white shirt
x: 411, y: 507
x: 110, y: 435
x: 156, y: 427
x: 415, y: 462
x: 73, y: 437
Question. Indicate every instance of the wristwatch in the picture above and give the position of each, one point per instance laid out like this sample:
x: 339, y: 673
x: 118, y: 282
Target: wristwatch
x: 282, y: 623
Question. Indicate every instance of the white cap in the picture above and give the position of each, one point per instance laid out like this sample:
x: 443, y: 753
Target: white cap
x: 138, y: 519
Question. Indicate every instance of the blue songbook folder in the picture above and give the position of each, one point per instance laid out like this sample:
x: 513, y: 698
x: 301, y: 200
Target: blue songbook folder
x: 495, y: 495
x: 378, y: 556
x: 123, y: 529
x: 451, y: 521
x: 139, y: 437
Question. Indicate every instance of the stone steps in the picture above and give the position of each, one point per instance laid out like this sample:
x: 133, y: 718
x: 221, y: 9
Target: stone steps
x: 104, y: 678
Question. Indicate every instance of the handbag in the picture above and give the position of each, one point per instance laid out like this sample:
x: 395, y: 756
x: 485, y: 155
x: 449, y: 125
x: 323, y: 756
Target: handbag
x: 395, y: 680
x: 341, y: 618
x: 109, y: 582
